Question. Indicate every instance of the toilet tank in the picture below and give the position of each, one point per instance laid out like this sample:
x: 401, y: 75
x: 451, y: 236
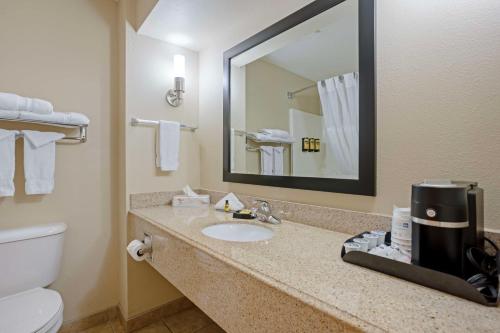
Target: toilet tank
x: 30, y: 257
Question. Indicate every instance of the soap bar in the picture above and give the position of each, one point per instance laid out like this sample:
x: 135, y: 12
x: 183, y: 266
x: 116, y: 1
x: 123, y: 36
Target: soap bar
x: 243, y: 214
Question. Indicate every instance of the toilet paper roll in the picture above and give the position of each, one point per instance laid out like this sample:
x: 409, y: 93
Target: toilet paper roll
x: 133, y: 249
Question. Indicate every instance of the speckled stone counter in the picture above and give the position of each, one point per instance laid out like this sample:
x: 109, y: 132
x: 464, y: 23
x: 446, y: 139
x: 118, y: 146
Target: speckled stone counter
x: 295, y: 282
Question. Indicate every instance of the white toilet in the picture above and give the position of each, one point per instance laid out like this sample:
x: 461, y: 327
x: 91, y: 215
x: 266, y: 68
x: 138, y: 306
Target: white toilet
x: 29, y: 261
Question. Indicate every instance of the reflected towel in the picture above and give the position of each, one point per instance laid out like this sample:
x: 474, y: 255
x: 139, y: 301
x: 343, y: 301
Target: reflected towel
x: 277, y: 133
x: 40, y: 161
x: 7, y: 162
x: 266, y: 160
x: 15, y: 102
x: 278, y: 161
x: 167, y: 146
x: 233, y: 149
x: 263, y: 137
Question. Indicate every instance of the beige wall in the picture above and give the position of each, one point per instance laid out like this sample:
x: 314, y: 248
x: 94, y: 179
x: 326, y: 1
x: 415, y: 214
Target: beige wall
x: 437, y: 104
x: 267, y: 104
x: 64, y: 51
x: 148, y: 77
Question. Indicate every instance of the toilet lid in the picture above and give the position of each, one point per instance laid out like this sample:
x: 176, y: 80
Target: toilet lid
x: 33, y: 310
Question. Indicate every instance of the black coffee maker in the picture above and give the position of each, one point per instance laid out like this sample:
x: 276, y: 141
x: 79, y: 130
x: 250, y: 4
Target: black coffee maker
x: 447, y: 219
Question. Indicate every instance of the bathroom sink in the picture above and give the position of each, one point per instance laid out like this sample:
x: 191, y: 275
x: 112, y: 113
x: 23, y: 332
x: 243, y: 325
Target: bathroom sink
x: 238, y: 232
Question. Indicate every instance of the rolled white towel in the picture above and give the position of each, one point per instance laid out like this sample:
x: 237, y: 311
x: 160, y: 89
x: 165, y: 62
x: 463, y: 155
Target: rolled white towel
x: 11, y: 115
x: 15, y: 102
x: 71, y: 118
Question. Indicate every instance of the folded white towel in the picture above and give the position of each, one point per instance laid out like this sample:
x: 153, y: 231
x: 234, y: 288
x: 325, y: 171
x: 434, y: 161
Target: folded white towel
x: 266, y: 160
x: 233, y: 150
x: 7, y: 162
x: 278, y: 161
x: 167, y: 146
x: 15, y: 102
x: 263, y: 137
x: 7, y: 114
x: 277, y: 133
x: 70, y: 118
x: 39, y: 161
x: 234, y: 203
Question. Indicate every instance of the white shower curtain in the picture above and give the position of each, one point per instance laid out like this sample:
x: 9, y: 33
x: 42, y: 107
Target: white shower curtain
x: 339, y: 97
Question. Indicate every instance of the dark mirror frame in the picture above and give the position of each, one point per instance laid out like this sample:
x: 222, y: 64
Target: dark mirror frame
x: 365, y: 184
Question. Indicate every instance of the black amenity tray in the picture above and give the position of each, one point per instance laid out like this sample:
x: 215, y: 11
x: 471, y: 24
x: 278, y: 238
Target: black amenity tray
x: 424, y: 276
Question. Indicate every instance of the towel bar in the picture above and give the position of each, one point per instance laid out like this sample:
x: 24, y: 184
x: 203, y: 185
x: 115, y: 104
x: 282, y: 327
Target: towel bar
x: 82, y: 128
x: 137, y: 121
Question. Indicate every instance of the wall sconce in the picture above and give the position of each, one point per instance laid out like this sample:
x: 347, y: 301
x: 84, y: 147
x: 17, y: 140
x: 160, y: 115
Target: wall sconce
x: 174, y: 96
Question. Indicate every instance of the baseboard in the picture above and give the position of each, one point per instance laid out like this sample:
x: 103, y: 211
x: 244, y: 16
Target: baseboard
x: 115, y: 316
x: 79, y: 325
x: 153, y: 315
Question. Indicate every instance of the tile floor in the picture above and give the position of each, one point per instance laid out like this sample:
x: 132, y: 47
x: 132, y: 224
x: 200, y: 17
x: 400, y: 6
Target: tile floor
x: 189, y: 321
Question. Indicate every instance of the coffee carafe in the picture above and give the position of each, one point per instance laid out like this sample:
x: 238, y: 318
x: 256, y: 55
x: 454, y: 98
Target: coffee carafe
x: 447, y: 219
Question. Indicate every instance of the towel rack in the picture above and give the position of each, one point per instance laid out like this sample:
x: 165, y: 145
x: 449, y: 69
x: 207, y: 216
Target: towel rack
x: 137, y: 121
x: 249, y: 148
x: 79, y: 139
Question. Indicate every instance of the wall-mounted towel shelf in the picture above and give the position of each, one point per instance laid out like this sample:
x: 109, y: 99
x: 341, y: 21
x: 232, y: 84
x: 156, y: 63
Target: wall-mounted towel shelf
x: 137, y: 122
x: 82, y: 128
x: 252, y: 148
x: 269, y: 141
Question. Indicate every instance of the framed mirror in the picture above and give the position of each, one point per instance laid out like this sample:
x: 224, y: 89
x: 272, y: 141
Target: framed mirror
x: 299, y: 101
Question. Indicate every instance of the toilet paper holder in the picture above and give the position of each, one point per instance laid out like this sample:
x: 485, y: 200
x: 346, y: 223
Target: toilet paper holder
x: 139, y: 249
x: 148, y: 242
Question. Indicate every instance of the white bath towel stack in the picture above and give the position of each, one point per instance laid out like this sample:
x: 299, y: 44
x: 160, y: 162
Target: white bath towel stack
x: 266, y: 137
x: 13, y: 102
x: 7, y: 162
x: 39, y: 161
x: 167, y: 146
x: 274, y: 132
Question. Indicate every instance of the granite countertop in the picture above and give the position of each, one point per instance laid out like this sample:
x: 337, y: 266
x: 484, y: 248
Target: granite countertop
x: 304, y: 261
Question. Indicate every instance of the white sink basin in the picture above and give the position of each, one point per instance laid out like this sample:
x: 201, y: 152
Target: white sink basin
x: 238, y: 232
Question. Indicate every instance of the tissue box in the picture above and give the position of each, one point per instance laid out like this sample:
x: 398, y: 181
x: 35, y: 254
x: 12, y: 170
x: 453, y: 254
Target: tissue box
x: 187, y: 201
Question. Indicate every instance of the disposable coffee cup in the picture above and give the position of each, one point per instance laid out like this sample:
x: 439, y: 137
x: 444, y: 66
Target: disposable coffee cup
x: 363, y: 242
x: 372, y: 240
x: 351, y: 246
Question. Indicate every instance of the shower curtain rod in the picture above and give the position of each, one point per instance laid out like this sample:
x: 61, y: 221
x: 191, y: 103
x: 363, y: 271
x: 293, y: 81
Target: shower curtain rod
x: 291, y: 94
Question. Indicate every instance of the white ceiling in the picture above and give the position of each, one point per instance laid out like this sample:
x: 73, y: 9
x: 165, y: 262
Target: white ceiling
x: 324, y: 46
x: 328, y: 51
x: 196, y: 24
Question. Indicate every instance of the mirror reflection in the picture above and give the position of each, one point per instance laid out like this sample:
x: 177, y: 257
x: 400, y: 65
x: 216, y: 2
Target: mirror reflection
x: 294, y: 100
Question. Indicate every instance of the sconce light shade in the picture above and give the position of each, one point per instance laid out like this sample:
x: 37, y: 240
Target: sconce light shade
x: 174, y: 96
x: 179, y: 66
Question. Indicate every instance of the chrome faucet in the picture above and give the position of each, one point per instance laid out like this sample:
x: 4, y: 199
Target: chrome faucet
x: 263, y: 212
